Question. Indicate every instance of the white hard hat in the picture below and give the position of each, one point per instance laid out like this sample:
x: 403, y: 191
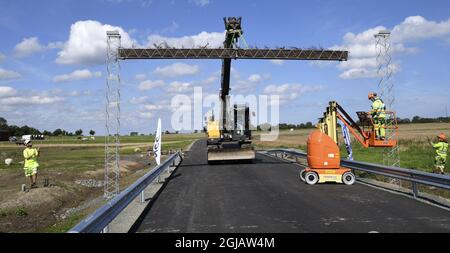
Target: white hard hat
x: 26, y: 142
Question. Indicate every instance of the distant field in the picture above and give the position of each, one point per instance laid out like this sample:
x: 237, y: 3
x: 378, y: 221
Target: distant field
x: 123, y: 139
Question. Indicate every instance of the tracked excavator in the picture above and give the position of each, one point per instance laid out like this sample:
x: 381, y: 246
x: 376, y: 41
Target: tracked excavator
x: 230, y: 138
x: 323, y: 152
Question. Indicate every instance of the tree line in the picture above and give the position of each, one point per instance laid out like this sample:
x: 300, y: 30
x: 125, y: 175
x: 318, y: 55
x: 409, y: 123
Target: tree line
x: 418, y: 119
x: 26, y: 130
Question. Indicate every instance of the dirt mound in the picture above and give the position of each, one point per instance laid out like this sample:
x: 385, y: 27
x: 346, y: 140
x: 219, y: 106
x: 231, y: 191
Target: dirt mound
x: 33, y: 210
x: 38, y: 198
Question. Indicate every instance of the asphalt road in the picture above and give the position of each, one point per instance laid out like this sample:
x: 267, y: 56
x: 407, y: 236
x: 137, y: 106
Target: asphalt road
x: 268, y: 196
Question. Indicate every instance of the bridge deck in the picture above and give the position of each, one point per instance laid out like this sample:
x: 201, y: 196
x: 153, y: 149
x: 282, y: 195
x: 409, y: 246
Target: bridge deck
x: 268, y: 196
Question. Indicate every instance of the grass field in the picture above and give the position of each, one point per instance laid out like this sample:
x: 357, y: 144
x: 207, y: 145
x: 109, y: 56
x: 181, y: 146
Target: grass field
x: 65, y: 162
x: 72, y: 154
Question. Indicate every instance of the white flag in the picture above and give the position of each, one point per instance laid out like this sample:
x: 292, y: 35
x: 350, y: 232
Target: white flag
x: 157, y: 145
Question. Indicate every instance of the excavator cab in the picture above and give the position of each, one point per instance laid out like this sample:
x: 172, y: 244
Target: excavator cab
x: 233, y: 141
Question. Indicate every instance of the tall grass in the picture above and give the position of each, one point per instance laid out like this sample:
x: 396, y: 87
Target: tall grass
x: 414, y: 154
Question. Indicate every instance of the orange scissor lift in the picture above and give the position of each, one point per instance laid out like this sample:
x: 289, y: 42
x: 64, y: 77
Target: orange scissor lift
x: 323, y: 153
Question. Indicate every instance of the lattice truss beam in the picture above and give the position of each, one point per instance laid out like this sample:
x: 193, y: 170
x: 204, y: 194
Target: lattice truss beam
x: 226, y: 53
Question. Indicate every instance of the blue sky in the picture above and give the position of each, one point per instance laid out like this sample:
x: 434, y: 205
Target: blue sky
x: 51, y: 55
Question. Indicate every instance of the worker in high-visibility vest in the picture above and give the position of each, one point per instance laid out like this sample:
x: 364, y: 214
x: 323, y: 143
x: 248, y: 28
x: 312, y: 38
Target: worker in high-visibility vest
x: 31, y: 165
x: 441, y: 153
x: 378, y: 115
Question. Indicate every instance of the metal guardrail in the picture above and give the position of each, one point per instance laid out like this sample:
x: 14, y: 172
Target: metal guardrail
x: 414, y: 176
x: 99, y: 220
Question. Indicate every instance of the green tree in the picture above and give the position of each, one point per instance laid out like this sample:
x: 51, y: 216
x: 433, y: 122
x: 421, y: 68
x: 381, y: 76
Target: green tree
x: 79, y: 132
x: 92, y: 132
x: 58, y: 132
x: 3, y: 122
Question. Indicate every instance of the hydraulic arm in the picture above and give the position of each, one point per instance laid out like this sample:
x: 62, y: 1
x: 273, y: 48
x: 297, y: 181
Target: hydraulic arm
x: 364, y: 132
x: 233, y: 32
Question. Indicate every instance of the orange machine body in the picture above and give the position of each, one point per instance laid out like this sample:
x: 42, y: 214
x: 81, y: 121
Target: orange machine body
x: 324, y: 158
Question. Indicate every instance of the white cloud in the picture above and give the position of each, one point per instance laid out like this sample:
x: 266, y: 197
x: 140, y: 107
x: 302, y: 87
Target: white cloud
x: 77, y: 93
x: 2, y: 58
x: 149, y: 84
x: 248, y: 84
x: 138, y: 100
x: 179, y: 86
x: 200, y: 2
x: 144, y: 3
x: 362, y: 51
x: 234, y: 73
x: 277, y: 62
x: 148, y: 111
x: 255, y: 78
x: 171, y: 28
x: 357, y: 63
x: 32, y: 100
x: 177, y: 69
x: 140, y: 77
x: 289, y: 91
x: 28, y: 47
x: 213, y: 40
x: 153, y: 107
x: 146, y: 115
x: 87, y: 43
x: 55, y: 45
x: 415, y: 28
x: 76, y: 76
x: 8, y: 74
x: 356, y: 73
x: 6, y: 91
x: 210, y: 80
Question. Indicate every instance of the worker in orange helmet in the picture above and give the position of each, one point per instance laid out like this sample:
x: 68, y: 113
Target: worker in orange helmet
x: 441, y: 153
x: 378, y: 115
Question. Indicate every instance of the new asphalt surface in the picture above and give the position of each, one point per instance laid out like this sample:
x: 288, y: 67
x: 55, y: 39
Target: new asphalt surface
x: 268, y: 196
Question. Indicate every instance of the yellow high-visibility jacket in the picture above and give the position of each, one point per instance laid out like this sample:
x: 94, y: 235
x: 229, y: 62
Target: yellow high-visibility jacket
x: 378, y: 109
x: 441, y: 149
x: 30, y: 155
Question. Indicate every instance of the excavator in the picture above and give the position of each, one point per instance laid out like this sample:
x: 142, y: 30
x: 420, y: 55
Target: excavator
x: 230, y: 137
x: 323, y: 152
